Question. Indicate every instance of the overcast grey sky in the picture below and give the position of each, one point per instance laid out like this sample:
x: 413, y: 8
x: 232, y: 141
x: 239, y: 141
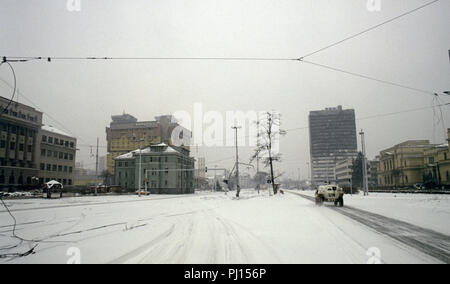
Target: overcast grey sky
x: 82, y: 95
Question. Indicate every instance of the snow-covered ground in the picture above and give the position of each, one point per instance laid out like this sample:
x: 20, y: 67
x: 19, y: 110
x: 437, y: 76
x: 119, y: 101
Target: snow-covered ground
x: 431, y: 211
x: 200, y: 228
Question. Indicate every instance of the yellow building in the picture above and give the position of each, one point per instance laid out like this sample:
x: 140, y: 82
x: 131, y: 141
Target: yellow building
x: 437, y: 164
x: 403, y: 164
x: 125, y: 132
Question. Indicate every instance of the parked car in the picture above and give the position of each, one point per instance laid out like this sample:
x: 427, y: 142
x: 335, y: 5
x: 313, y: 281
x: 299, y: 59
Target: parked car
x: 430, y: 185
x: 418, y: 186
x: 52, y: 189
x: 142, y: 192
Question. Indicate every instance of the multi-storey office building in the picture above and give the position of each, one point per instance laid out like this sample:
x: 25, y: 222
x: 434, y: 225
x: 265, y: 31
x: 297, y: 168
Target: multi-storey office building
x: 332, y: 138
x: 56, y: 157
x: 164, y: 169
x: 19, y: 127
x: 125, y: 131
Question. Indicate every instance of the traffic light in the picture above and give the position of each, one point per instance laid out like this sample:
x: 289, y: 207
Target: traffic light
x: 206, y: 169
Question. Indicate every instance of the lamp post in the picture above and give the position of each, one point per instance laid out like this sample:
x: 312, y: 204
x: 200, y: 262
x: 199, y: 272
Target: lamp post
x: 365, y: 182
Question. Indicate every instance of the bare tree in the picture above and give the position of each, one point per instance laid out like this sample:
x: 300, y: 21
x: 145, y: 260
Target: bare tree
x: 268, y: 136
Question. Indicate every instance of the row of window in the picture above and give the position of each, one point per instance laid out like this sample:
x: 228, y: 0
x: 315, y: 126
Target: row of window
x: 13, y: 146
x: 55, y: 168
x: 56, y: 141
x: 56, y: 154
x: 16, y: 129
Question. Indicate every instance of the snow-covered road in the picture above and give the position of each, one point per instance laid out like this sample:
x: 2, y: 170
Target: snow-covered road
x: 199, y: 228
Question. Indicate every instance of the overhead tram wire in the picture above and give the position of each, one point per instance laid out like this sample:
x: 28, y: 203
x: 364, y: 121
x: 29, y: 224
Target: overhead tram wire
x: 428, y: 92
x: 51, y: 58
x: 14, y: 88
x: 369, y: 29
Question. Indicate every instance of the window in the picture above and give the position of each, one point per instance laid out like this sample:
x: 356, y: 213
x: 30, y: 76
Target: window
x: 60, y: 168
x: 49, y: 153
x: 66, y: 156
x: 29, y: 148
x: 44, y: 138
x: 70, y: 182
x: 55, y: 154
x: 448, y: 176
x: 54, y: 168
x: 66, y: 143
x: 65, y: 169
x: 56, y: 141
x: 71, y: 144
x: 2, y: 144
x: 50, y: 139
x: 70, y: 169
x: 61, y: 155
x: 49, y: 167
x: 12, y: 146
x: 42, y: 166
x: 21, y: 147
x: 71, y: 157
x: 43, y: 152
x: 445, y: 156
x: 61, y: 142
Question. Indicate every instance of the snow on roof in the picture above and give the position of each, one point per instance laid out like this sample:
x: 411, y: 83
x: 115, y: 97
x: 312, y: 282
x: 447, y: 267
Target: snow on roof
x: 52, y: 129
x: 148, y: 150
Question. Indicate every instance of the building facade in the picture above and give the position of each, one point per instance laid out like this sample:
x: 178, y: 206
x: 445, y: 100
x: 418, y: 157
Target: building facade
x: 372, y: 173
x: 125, y: 131
x: 437, y: 164
x: 165, y: 169
x: 343, y: 172
x: 403, y: 164
x: 332, y: 138
x: 56, y: 157
x: 19, y: 128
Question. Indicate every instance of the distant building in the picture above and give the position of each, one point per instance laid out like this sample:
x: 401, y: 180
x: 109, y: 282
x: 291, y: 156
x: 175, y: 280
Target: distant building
x: 332, y: 138
x: 85, y: 177
x: 165, y: 169
x: 372, y: 173
x: 125, y: 131
x: 56, y: 157
x: 19, y: 127
x: 343, y: 172
x: 403, y: 165
x: 102, y: 164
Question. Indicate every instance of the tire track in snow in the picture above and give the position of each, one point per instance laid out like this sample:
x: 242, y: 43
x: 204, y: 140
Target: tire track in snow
x: 427, y: 241
x: 136, y: 252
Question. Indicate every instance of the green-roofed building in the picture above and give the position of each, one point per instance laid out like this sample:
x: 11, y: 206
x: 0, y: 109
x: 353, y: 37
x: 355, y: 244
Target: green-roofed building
x: 164, y: 170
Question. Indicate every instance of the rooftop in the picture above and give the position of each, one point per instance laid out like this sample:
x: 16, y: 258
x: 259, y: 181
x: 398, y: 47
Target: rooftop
x: 52, y: 129
x: 148, y: 150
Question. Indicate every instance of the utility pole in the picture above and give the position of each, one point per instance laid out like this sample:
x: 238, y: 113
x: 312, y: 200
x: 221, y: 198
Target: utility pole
x: 238, y: 187
x: 140, y: 165
x: 215, y: 178
x: 365, y: 181
x: 96, y: 170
